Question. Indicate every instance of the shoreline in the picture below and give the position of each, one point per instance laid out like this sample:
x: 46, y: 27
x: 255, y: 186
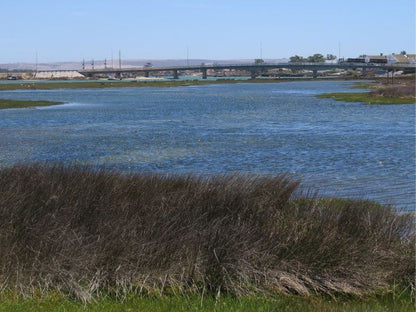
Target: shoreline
x: 367, y: 98
x: 379, y: 93
x: 85, y: 84
x: 10, y: 104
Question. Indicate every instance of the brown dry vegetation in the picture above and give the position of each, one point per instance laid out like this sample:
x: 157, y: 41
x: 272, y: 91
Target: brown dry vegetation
x: 396, y: 90
x: 84, y: 232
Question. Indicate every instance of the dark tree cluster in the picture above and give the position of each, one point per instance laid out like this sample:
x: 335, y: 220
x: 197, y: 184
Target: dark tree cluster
x: 316, y: 58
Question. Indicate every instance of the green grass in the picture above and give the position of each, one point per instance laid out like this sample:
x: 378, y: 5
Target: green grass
x: 386, y: 302
x: 24, y: 104
x: 367, y: 98
x: 362, y: 85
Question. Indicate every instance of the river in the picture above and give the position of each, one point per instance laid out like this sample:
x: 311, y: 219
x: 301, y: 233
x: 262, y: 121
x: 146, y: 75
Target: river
x: 336, y: 148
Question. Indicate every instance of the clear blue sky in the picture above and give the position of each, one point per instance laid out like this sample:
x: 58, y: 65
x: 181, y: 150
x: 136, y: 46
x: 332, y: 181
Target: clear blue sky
x: 213, y: 29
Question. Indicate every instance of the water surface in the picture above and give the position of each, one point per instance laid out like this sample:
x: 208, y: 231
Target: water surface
x: 342, y: 149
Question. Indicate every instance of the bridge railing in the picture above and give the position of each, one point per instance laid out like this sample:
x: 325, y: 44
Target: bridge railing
x: 251, y: 66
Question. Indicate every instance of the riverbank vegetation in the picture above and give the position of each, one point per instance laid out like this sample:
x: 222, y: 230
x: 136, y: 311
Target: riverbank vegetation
x: 367, y: 98
x: 401, y: 92
x: 85, y: 84
x: 90, y: 234
x: 25, y: 104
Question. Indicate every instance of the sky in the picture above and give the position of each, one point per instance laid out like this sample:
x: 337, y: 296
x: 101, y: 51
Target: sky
x: 55, y: 31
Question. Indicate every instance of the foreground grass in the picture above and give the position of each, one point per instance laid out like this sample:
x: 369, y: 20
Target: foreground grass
x: 85, y: 233
x: 386, y: 302
x: 367, y: 98
x: 24, y: 104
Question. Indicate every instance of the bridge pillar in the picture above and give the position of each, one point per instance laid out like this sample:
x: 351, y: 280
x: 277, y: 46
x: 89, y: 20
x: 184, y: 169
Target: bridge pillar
x: 364, y: 72
x: 315, y: 73
x: 146, y: 74
x: 204, y: 73
x: 253, y: 74
x: 175, y: 74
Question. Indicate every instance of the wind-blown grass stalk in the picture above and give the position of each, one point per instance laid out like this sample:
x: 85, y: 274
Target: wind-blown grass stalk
x: 86, y: 232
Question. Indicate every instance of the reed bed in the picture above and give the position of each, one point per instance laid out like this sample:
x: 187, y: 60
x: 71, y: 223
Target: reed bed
x: 86, y: 232
x: 397, y: 90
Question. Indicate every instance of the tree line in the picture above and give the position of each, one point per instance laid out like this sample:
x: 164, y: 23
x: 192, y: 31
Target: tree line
x: 316, y: 58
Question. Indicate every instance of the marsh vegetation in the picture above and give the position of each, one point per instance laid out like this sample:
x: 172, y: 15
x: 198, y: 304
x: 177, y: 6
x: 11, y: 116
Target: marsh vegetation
x: 24, y: 104
x: 86, y: 233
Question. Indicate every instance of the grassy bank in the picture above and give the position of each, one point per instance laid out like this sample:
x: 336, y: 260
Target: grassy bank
x: 121, y: 84
x: 90, y: 233
x: 388, y: 302
x: 367, y: 98
x: 403, y: 92
x: 51, y: 85
x: 24, y: 104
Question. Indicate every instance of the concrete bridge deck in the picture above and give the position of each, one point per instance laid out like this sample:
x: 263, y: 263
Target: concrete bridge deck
x: 254, y: 69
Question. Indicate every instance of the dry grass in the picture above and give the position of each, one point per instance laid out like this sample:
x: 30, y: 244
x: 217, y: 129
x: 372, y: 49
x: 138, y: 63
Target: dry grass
x: 84, y: 232
x: 397, y: 90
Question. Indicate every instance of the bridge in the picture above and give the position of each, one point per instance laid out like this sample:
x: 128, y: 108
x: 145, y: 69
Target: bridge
x: 254, y: 69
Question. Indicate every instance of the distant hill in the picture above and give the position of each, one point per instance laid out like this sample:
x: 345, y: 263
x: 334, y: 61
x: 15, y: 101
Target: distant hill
x: 125, y: 63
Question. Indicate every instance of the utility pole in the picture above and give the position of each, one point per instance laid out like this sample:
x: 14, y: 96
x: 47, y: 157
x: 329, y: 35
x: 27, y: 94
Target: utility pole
x: 112, y: 59
x: 261, y: 50
x: 339, y: 50
x: 83, y: 64
x: 119, y: 59
x: 36, y: 65
x: 105, y: 63
x: 92, y: 64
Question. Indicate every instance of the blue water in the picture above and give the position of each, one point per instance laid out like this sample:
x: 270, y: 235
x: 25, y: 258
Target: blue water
x: 343, y: 149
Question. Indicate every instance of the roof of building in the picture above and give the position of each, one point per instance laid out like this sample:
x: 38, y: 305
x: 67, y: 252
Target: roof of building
x: 401, y: 58
x: 377, y: 57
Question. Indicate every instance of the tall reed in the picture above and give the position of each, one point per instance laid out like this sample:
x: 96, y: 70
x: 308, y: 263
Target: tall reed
x: 84, y: 232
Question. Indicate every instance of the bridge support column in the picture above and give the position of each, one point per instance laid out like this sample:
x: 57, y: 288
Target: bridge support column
x: 315, y: 73
x: 253, y: 74
x: 204, y: 73
x: 364, y: 72
x: 175, y: 74
x: 146, y: 74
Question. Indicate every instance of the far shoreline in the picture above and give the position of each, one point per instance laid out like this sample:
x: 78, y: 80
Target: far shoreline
x: 383, y: 93
x: 86, y: 84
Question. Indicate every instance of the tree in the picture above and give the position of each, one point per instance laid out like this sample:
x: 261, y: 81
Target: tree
x: 258, y: 61
x: 148, y: 64
x: 330, y: 57
x: 316, y: 58
x: 297, y: 59
x: 403, y: 52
